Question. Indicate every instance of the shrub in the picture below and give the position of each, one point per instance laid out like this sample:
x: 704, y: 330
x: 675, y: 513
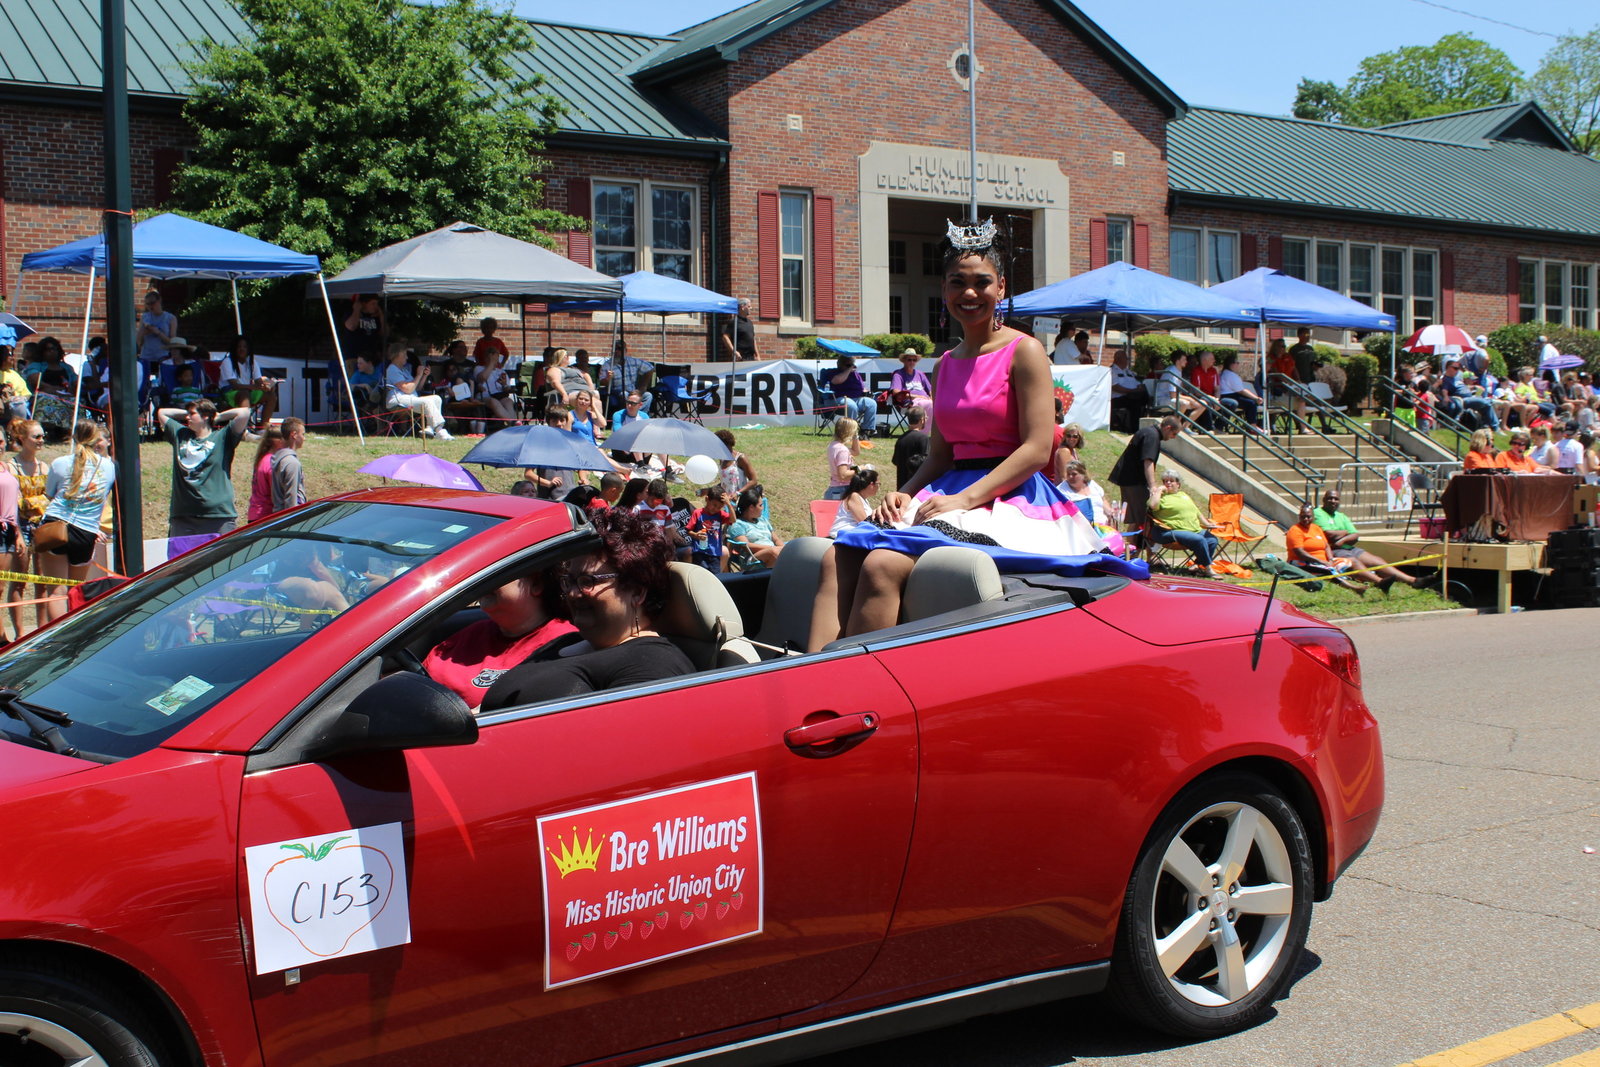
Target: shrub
x: 889, y: 345
x: 1152, y: 352
x: 1360, y: 373
x: 1519, y: 343
x: 1331, y: 374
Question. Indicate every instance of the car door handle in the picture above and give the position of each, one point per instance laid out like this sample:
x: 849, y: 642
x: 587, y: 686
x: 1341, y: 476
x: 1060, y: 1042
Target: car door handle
x: 831, y: 736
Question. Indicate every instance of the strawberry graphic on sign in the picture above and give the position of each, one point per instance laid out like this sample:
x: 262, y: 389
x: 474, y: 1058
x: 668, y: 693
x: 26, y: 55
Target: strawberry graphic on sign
x: 662, y: 865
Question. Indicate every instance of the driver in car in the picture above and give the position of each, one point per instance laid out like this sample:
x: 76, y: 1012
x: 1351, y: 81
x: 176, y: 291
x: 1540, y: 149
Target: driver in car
x: 525, y: 614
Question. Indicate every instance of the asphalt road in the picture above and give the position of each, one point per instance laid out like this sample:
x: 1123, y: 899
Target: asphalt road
x: 1474, y: 910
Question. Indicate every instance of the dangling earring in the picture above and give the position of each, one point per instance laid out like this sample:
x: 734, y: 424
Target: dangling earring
x: 944, y: 317
x: 999, y: 316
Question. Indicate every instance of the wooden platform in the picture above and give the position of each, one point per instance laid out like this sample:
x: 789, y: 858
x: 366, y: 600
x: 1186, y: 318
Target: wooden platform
x: 1503, y: 560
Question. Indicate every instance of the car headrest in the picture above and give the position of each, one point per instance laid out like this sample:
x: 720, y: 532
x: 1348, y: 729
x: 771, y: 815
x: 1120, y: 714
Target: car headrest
x: 699, y: 615
x: 948, y: 578
x: 792, y: 593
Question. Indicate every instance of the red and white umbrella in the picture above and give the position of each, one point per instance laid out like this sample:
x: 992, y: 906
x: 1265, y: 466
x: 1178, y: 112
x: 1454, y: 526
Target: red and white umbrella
x: 1439, y: 339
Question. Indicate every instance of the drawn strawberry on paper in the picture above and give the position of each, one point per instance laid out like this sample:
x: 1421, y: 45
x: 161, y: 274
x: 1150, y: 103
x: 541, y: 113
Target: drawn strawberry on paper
x: 610, y: 938
x: 588, y: 940
x: 647, y: 929
x: 625, y: 929
x: 722, y: 908
x: 1397, y: 482
x: 737, y: 900
x: 700, y: 910
x: 685, y: 919
x: 326, y: 894
x: 573, y: 948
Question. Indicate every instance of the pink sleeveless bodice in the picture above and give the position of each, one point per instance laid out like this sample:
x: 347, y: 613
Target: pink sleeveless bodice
x: 974, y: 407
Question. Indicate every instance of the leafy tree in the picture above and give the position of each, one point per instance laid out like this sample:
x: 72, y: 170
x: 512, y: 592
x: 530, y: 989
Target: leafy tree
x: 1567, y: 84
x: 1322, y: 101
x: 1457, y: 73
x: 341, y: 126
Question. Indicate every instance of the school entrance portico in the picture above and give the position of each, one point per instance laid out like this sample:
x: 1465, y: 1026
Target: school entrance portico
x: 906, y: 194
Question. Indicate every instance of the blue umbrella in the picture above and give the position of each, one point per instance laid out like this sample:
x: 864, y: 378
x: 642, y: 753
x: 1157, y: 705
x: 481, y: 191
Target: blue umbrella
x: 538, y: 446
x: 13, y: 329
x: 668, y: 437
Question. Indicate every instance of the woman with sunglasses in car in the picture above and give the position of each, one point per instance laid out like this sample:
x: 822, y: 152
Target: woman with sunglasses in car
x: 613, y: 596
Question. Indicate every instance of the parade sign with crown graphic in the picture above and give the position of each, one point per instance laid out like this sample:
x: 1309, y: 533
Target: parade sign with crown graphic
x: 649, y: 878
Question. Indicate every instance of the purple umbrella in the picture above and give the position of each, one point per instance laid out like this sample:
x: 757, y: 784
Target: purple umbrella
x: 424, y: 469
x: 1560, y: 362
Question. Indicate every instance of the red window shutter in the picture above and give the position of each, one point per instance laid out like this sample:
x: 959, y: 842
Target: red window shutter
x: 166, y: 164
x: 580, y: 247
x: 1447, y: 287
x: 1513, y: 290
x: 822, y: 256
x: 1097, y: 243
x: 769, y: 295
x: 1275, y: 253
x: 1141, y: 245
x: 580, y: 201
x: 1247, y: 263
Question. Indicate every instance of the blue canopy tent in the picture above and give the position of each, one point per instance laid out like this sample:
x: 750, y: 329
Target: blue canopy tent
x: 172, y: 246
x: 1141, y: 297
x: 846, y: 348
x: 1284, y: 300
x: 647, y: 293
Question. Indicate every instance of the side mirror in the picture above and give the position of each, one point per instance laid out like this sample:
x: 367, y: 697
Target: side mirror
x: 401, y: 711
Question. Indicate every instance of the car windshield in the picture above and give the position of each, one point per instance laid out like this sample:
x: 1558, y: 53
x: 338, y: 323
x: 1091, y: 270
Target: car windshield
x: 133, y: 668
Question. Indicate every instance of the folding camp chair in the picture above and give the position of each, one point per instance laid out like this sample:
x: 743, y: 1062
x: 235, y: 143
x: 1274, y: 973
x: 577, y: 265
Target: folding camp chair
x: 1424, y: 495
x: 674, y: 402
x: 826, y: 408
x: 823, y: 512
x: 1239, y: 538
x: 1167, y: 556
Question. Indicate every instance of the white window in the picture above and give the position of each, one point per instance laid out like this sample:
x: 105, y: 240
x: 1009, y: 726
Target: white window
x: 1361, y: 273
x: 794, y: 251
x: 1553, y: 290
x: 1297, y: 258
x: 664, y: 241
x: 1403, y: 282
x: 1204, y: 257
x: 1119, y: 240
x: 1183, y: 248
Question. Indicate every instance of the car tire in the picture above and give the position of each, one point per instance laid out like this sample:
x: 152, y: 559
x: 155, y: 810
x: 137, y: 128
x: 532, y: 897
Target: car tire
x: 49, y: 1013
x: 1216, y: 912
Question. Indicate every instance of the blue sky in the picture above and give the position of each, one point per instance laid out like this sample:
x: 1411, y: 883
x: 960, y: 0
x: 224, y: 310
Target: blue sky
x: 1244, y: 54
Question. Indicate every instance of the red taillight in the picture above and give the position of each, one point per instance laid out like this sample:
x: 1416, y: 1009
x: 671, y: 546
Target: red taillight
x: 1330, y: 648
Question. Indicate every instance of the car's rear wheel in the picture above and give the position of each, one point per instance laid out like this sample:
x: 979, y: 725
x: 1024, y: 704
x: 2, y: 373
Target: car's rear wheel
x: 57, y: 1018
x: 1217, y: 910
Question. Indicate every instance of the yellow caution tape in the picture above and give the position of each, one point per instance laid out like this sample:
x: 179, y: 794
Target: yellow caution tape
x: 289, y: 609
x: 1343, y: 574
x: 41, y: 579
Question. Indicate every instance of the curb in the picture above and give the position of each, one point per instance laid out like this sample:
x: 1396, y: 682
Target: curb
x: 1403, y: 615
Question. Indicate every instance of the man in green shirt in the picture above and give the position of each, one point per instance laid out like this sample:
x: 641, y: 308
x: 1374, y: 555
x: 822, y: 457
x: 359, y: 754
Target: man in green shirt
x: 1342, y: 538
x: 202, y: 465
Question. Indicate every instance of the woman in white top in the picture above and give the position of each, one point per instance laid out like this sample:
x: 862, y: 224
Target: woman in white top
x: 855, y: 507
x: 1077, y: 485
x: 243, y: 384
x: 494, y: 389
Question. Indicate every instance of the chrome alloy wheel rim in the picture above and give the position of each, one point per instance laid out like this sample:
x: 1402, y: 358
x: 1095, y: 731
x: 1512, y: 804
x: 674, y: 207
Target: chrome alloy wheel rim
x: 1223, y: 903
x: 17, y: 1029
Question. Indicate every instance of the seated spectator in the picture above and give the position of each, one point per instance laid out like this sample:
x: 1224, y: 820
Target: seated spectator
x: 1169, y: 392
x: 584, y: 419
x: 1203, y: 373
x: 850, y: 389
x: 623, y: 375
x: 708, y: 527
x: 1591, y: 459
x: 1565, y: 448
x: 1542, y: 451
x: 494, y: 390
x: 366, y: 385
x: 1234, y: 393
x: 1128, y: 397
x: 1480, y: 451
x: 1176, y: 519
x: 909, y: 387
x: 1067, y: 451
x: 185, y: 391
x: 657, y: 507
x: 586, y: 497
x: 1516, y: 457
x: 632, y: 494
x: 843, y: 454
x: 243, y: 384
x: 1342, y: 536
x: 752, y: 529
x: 405, y: 391
x: 523, y: 487
x: 1307, y: 546
x: 524, y: 616
x: 1076, y: 485
x: 613, y: 598
x: 611, y: 486
x: 856, y: 505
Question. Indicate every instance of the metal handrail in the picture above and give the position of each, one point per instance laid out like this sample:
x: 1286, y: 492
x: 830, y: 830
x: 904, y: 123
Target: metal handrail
x: 1350, y: 476
x: 1325, y: 411
x: 1441, y: 420
x: 1313, y: 476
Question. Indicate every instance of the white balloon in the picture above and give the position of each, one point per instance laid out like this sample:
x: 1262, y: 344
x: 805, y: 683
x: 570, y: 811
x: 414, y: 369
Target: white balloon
x: 701, y: 470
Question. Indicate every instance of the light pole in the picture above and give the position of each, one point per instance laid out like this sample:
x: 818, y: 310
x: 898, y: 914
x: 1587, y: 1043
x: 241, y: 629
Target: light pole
x: 119, y: 287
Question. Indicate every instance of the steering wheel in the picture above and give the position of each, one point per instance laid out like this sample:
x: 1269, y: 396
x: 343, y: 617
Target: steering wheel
x: 408, y: 661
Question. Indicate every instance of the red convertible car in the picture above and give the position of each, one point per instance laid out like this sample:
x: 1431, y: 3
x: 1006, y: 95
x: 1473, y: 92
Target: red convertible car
x: 244, y: 830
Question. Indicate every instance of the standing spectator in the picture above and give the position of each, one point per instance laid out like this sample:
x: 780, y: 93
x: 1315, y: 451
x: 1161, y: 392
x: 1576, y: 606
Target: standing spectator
x: 78, y: 484
x: 736, y: 473
x: 1233, y: 392
x: 156, y: 328
x: 623, y: 374
x: 260, y: 505
x: 366, y: 329
x: 842, y: 454
x: 912, y: 448
x: 707, y: 528
x: 31, y: 472
x: 909, y: 387
x: 1134, y: 473
x: 850, y: 389
x: 489, y: 346
x: 202, y: 487
x: 11, y: 545
x: 403, y: 390
x: 243, y: 384
x: 1304, y: 354
x: 288, y: 476
x: 1127, y: 394
x: 739, y: 335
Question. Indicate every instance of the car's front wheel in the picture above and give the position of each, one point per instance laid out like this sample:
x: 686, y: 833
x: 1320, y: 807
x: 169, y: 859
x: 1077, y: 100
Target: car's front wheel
x: 53, y: 1017
x: 1216, y: 912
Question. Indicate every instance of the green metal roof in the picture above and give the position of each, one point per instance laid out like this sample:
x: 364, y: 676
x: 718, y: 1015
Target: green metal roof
x: 54, y: 46
x: 722, y: 38
x: 1519, y: 120
x: 1264, y: 161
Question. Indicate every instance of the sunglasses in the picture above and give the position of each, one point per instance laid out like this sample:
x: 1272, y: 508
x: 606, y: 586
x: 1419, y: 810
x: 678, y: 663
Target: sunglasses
x: 584, y: 581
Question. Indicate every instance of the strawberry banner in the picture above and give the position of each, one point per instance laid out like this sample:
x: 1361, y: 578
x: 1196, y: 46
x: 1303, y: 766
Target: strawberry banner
x: 649, y: 878
x: 319, y: 898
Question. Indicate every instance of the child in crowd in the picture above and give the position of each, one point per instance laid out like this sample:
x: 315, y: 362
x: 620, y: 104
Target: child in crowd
x: 185, y: 391
x: 707, y: 528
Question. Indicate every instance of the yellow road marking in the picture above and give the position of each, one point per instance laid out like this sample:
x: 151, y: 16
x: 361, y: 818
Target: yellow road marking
x: 1582, y: 1059
x: 1520, y: 1039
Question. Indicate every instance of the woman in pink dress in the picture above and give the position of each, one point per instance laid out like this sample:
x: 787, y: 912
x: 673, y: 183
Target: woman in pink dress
x: 982, y: 484
x: 261, y: 477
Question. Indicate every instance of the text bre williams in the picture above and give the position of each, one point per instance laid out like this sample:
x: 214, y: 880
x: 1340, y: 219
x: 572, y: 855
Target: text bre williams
x: 648, y: 878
